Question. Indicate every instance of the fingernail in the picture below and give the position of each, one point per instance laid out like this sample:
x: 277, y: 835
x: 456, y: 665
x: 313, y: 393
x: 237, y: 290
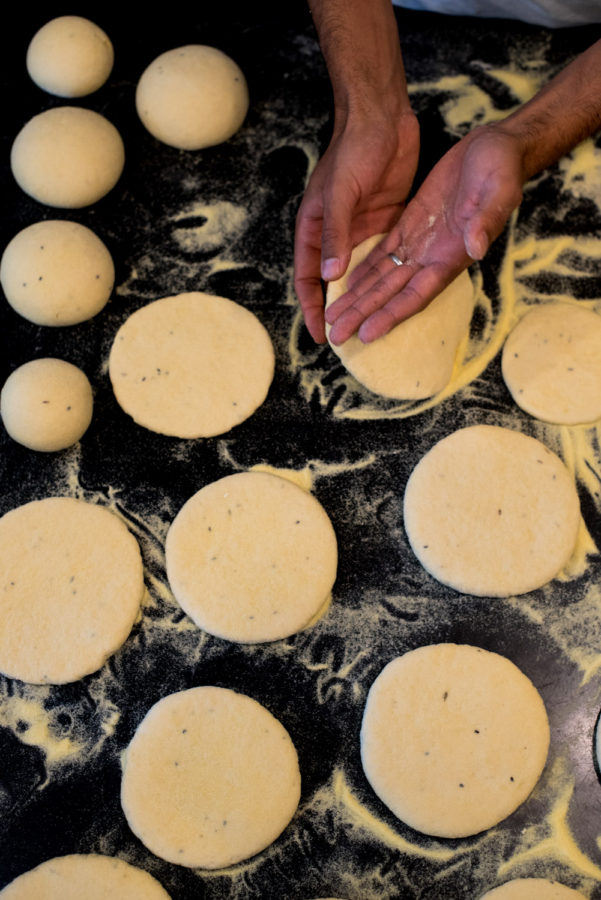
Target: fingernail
x: 476, y: 245
x: 330, y: 268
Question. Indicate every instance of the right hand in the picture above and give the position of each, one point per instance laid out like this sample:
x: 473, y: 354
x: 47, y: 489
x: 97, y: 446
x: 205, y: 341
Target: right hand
x: 357, y: 189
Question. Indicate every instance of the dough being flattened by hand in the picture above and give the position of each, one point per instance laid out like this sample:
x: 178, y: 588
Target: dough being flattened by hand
x: 415, y: 360
x: 210, y: 778
x: 552, y: 363
x: 532, y: 889
x: 491, y: 512
x: 192, y: 365
x: 251, y: 557
x: 453, y: 738
x: 71, y: 584
x: 92, y: 876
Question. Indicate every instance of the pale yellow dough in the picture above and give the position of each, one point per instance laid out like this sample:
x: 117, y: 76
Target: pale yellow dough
x: 491, y: 512
x: 46, y: 404
x: 415, y: 359
x: 552, y: 363
x: 192, y: 97
x: 192, y: 365
x: 70, y: 57
x: 57, y: 273
x: 91, y: 876
x: 453, y: 739
x: 210, y: 778
x: 67, y: 157
x: 71, y: 584
x: 251, y: 557
x: 532, y: 889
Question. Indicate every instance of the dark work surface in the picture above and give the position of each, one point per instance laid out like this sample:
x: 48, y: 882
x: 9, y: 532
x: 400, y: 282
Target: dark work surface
x: 222, y: 220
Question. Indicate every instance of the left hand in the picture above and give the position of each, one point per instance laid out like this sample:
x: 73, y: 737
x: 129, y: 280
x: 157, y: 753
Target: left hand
x: 461, y: 207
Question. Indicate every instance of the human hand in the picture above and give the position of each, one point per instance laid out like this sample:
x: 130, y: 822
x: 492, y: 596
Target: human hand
x: 461, y: 207
x: 357, y: 189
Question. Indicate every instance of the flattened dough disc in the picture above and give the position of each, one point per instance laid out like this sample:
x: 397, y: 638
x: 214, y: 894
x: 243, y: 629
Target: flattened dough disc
x: 415, y: 360
x: 453, y: 738
x: 552, y: 364
x: 71, y: 584
x: 491, y: 512
x: 532, y: 889
x: 210, y: 778
x: 192, y: 365
x: 251, y: 557
x: 91, y: 876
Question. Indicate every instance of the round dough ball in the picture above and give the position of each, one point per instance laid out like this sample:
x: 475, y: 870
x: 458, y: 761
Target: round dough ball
x: 453, y: 738
x: 70, y: 57
x: 68, y: 157
x: 552, y: 364
x: 190, y: 366
x: 415, y: 360
x: 71, y: 584
x: 251, y: 557
x: 91, y: 876
x: 46, y: 404
x: 532, y: 889
x: 210, y: 778
x: 57, y: 273
x: 491, y: 512
x: 192, y: 97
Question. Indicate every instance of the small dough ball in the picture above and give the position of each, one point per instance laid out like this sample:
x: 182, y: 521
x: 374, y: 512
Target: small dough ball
x: 57, y: 273
x: 90, y: 875
x: 532, y: 889
x: 192, y: 97
x: 70, y: 57
x: 46, y: 404
x: 68, y: 157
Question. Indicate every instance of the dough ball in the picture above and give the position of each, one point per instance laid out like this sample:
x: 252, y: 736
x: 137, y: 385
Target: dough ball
x: 91, y: 876
x: 68, y: 157
x: 57, y: 273
x: 192, y: 97
x: 552, y: 363
x: 491, y: 512
x: 210, y: 778
x: 251, y: 557
x: 70, y: 57
x: 71, y: 584
x: 193, y: 365
x: 532, y: 889
x: 453, y: 738
x: 416, y: 359
x: 46, y: 404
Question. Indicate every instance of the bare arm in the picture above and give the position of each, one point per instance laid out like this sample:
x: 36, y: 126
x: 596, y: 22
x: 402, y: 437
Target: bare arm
x: 360, y: 184
x: 466, y: 200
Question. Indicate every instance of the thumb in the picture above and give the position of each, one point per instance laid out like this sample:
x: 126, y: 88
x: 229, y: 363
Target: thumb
x: 336, y: 244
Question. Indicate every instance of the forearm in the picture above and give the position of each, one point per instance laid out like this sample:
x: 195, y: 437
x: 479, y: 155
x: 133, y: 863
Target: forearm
x: 561, y: 115
x: 360, y: 43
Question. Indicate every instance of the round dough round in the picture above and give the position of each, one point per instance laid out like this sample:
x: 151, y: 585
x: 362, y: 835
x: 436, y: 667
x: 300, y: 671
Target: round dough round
x: 415, y: 359
x: 68, y: 157
x: 91, y: 876
x: 57, y: 273
x: 70, y: 57
x: 210, y: 778
x: 251, y: 557
x: 453, y: 738
x: 71, y: 584
x: 491, y: 512
x: 552, y: 364
x: 192, y: 97
x: 532, y: 889
x: 46, y: 404
x: 190, y: 366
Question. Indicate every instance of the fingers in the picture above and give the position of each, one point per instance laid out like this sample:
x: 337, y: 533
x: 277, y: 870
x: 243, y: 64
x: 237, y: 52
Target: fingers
x: 338, y: 212
x: 307, y: 282
x: 348, y: 313
x: 418, y: 293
